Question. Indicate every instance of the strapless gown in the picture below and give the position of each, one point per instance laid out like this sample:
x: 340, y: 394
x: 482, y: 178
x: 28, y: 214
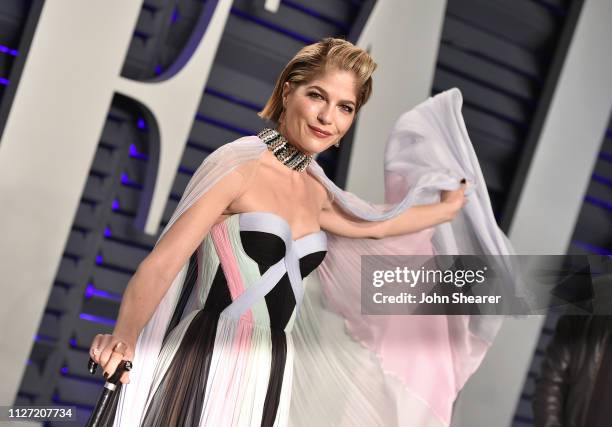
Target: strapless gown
x: 228, y: 361
x: 233, y: 340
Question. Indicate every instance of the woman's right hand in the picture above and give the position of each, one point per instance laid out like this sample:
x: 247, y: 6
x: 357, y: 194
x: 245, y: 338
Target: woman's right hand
x: 108, y: 350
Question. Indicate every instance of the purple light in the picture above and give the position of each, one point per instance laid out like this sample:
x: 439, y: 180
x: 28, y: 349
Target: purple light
x: 115, y: 204
x: 233, y: 99
x: 43, y: 338
x: 4, y: 81
x: 317, y: 15
x: 605, y: 156
x: 592, y: 248
x: 135, y: 154
x: 92, y: 291
x: 599, y: 202
x: 89, y: 291
x: 97, y: 319
x: 158, y: 70
x: 182, y: 169
x: 223, y: 125
x: 237, y: 12
x: 141, y: 123
x: 64, y: 370
x: 602, y: 180
x: 73, y: 342
x: 141, y: 35
x: 125, y: 180
x: 175, y: 15
x: 29, y: 362
x: 8, y: 50
x: 107, y: 295
x: 99, y: 259
x: 107, y: 232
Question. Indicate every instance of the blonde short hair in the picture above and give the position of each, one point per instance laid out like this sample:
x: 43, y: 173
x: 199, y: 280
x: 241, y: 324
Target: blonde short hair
x: 313, y: 60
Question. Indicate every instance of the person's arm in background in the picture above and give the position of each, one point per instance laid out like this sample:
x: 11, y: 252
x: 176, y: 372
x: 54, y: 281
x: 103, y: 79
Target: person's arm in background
x: 552, y: 384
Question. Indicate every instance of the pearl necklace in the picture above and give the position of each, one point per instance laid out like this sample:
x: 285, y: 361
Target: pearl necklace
x: 284, y: 151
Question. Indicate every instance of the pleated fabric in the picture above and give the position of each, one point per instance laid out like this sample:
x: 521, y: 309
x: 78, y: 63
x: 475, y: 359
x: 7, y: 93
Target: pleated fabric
x: 243, y: 342
x: 338, y: 381
x: 215, y: 369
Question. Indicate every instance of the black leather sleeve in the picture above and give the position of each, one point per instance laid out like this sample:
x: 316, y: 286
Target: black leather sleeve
x: 551, y: 386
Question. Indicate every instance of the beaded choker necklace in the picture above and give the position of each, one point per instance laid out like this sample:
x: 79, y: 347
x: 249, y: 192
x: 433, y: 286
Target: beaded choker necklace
x: 283, y: 150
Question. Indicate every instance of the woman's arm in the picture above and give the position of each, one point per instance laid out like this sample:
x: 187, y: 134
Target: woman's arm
x: 156, y: 272
x: 416, y: 218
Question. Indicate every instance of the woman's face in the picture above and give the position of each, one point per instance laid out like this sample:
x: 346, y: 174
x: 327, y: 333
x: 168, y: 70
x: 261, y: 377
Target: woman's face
x: 318, y: 113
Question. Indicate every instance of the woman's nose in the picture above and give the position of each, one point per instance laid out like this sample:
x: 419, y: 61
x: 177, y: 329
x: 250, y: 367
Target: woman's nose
x: 324, y: 116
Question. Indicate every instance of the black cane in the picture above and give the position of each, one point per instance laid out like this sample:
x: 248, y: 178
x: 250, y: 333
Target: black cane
x: 99, y: 412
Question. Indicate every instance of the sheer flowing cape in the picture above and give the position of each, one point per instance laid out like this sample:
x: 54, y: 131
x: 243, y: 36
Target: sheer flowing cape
x: 350, y: 368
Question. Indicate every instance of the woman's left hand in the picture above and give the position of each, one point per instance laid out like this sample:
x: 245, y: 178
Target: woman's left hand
x: 454, y: 199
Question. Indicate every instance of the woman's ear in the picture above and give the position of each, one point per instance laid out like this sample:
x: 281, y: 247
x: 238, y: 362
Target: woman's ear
x: 286, y: 91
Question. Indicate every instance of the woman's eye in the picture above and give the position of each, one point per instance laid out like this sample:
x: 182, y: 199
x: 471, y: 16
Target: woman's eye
x: 347, y: 109
x: 315, y: 95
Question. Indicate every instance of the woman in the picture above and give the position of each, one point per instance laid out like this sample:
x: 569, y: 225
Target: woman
x: 208, y: 316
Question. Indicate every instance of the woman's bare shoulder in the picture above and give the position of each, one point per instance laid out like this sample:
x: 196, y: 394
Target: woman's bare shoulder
x: 324, y: 196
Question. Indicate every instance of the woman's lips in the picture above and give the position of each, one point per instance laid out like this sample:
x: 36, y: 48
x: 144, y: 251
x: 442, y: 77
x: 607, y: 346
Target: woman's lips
x: 317, y: 133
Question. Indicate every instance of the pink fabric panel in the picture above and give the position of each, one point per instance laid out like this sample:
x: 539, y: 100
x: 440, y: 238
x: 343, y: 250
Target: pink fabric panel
x: 461, y: 351
x: 414, y: 348
x: 244, y: 330
x: 227, y: 258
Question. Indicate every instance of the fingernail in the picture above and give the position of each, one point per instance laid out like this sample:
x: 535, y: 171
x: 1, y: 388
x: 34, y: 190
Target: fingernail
x: 92, y: 366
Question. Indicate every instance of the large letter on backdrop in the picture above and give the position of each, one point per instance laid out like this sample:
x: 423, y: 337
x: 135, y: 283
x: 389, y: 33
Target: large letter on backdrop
x: 70, y: 76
